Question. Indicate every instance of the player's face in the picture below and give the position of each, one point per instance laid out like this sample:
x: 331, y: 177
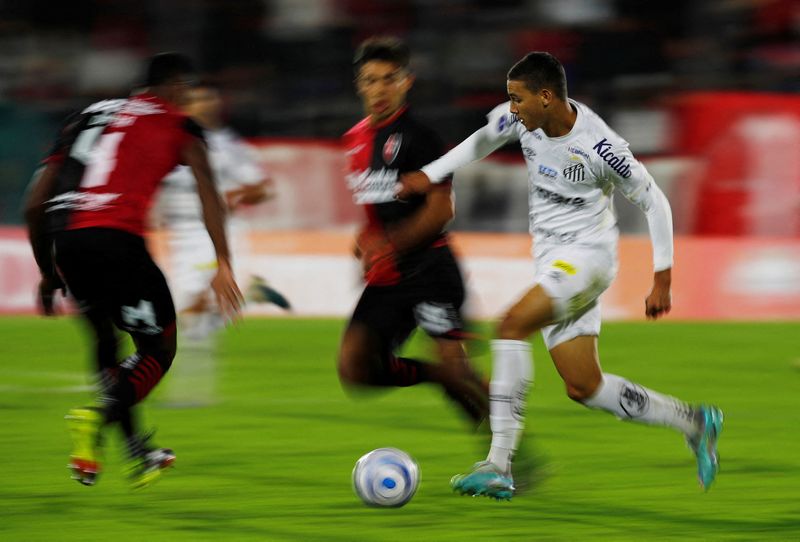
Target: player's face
x: 204, y: 105
x: 179, y: 88
x: 383, y: 87
x: 528, y: 106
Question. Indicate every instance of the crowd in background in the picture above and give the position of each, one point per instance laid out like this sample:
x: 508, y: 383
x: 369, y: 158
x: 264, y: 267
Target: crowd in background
x: 285, y: 68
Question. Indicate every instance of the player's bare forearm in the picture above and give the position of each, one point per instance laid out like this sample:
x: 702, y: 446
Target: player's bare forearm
x: 248, y: 195
x: 659, y: 302
x: 42, y: 188
x: 426, y: 224
x: 213, y: 208
x: 414, y: 182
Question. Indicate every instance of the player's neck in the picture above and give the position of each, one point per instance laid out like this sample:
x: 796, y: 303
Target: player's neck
x: 561, y: 120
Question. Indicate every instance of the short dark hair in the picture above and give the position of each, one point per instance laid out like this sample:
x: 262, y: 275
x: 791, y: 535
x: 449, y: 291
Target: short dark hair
x: 386, y: 48
x: 540, y: 70
x: 165, y: 66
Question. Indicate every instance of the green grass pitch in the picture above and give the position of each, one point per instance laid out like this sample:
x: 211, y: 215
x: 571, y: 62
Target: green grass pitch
x: 272, y: 459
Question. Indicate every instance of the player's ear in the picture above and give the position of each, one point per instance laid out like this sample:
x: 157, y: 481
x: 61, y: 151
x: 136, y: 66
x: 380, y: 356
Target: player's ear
x: 408, y: 81
x: 546, y: 96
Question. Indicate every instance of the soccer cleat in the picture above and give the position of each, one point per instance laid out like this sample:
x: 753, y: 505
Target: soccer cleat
x: 146, y: 469
x: 259, y: 292
x: 84, y: 427
x: 484, y: 479
x: 704, y: 444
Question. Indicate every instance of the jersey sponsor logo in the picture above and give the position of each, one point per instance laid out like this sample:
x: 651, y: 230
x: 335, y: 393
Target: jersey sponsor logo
x: 578, y: 151
x: 370, y: 186
x: 505, y: 121
x: 575, y: 173
x: 133, y: 109
x: 82, y: 201
x: 617, y: 163
x: 548, y: 171
x: 529, y: 153
x: 558, y: 199
x: 392, y: 147
x: 552, y: 235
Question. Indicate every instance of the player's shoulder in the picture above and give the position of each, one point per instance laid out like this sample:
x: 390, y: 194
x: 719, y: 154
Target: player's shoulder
x: 604, y: 145
x: 104, y: 106
x: 420, y: 130
x: 357, y: 129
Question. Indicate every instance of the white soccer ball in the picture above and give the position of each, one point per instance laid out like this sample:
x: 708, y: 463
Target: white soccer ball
x: 386, y: 477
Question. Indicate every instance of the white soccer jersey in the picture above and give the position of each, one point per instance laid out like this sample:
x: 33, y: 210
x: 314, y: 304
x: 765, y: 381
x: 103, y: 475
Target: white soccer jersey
x: 571, y: 180
x: 234, y: 166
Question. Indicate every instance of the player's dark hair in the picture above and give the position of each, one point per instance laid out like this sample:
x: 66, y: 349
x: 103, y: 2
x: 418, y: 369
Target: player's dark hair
x: 165, y: 66
x: 540, y: 70
x: 386, y: 48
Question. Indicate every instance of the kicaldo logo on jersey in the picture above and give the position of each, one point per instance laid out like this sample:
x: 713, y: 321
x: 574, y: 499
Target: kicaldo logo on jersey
x: 617, y: 163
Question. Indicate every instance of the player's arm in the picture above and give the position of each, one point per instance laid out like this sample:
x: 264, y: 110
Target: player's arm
x: 426, y: 224
x: 246, y: 171
x: 249, y: 194
x: 498, y: 131
x: 418, y: 230
x: 41, y: 189
x: 227, y: 292
x: 638, y: 186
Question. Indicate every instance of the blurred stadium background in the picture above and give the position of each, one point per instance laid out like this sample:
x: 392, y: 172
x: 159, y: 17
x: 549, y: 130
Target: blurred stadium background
x: 706, y: 93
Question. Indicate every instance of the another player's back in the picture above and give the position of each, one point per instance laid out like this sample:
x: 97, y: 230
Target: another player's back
x: 139, y: 147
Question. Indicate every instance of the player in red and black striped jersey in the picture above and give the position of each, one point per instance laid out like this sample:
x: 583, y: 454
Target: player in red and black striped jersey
x: 88, y: 207
x: 412, y: 279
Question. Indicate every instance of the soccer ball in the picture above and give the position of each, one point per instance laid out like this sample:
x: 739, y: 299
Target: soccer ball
x: 386, y: 477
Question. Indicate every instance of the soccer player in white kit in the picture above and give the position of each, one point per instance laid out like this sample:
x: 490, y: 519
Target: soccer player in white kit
x: 575, y: 161
x: 241, y: 180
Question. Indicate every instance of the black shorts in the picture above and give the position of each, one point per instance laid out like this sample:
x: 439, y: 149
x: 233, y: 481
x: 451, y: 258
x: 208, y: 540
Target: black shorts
x: 430, y: 298
x: 110, y: 273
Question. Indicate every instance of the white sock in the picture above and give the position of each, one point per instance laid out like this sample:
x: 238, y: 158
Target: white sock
x: 512, y: 374
x: 630, y: 401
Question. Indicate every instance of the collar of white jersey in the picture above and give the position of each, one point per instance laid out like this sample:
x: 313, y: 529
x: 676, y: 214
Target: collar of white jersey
x: 576, y: 128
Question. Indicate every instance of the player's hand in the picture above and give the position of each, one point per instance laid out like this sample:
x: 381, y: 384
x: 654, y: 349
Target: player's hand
x: 229, y: 297
x: 415, y: 182
x: 659, y: 302
x: 48, y: 287
x: 377, y: 257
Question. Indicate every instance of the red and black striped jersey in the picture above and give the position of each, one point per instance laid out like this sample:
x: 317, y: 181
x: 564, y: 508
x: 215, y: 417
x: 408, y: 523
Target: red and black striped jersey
x: 124, y: 165
x: 377, y: 155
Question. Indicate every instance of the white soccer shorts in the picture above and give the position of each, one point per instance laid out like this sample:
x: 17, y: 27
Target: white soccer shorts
x: 574, y: 277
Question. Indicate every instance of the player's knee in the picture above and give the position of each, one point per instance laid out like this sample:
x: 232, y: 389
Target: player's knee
x: 580, y: 391
x: 514, y: 328
x: 349, y: 367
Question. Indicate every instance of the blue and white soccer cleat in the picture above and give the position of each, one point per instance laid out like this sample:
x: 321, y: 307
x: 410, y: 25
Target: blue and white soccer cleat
x: 704, y: 444
x: 484, y: 479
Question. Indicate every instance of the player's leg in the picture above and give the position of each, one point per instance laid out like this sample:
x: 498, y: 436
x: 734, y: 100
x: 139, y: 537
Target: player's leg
x: 106, y: 345
x: 578, y: 363
x: 378, y: 326
x: 82, y: 266
x: 145, y: 310
x: 512, y: 375
x: 460, y: 381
